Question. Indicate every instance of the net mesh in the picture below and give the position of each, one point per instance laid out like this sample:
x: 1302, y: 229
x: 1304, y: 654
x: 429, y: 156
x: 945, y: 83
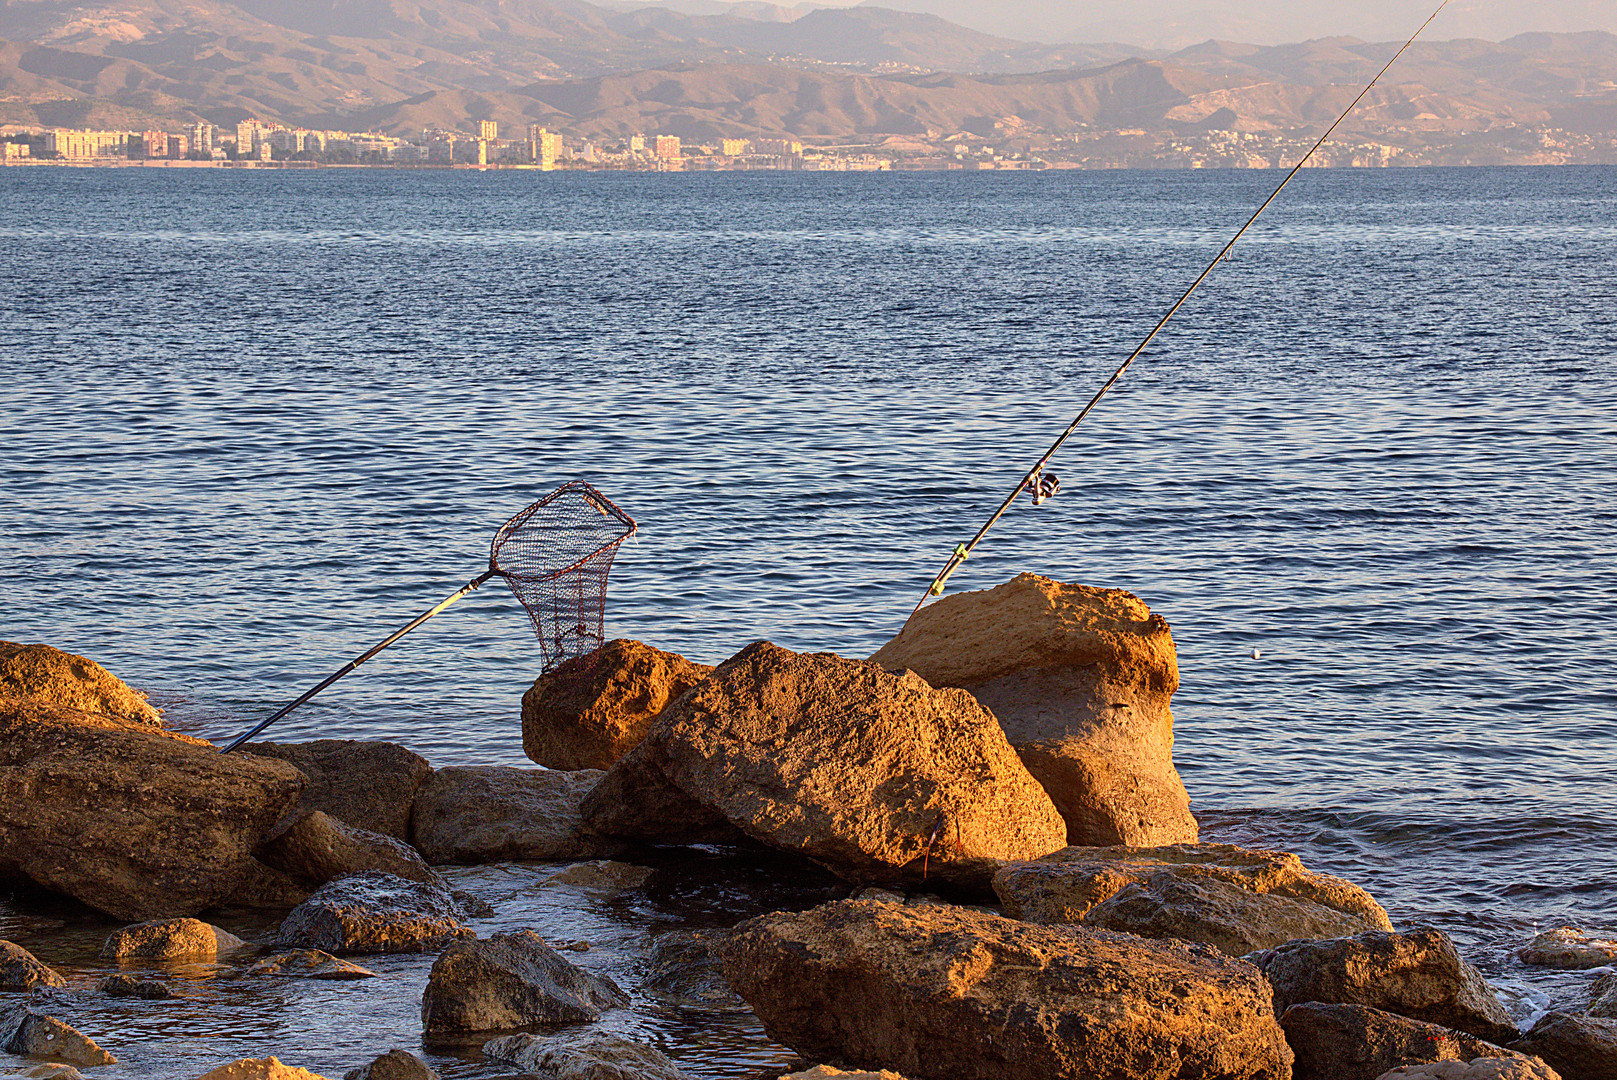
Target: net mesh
x: 556, y: 556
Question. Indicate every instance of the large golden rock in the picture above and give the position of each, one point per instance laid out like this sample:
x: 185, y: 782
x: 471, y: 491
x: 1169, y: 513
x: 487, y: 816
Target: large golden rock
x: 54, y: 677
x: 1080, y: 679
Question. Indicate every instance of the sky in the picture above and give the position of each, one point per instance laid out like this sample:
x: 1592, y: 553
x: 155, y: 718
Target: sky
x: 1176, y: 23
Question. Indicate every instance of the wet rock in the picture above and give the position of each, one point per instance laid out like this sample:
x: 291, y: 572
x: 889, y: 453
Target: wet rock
x: 1065, y: 886
x: 259, y: 1069
x: 1577, y: 1047
x: 48, y: 1071
x: 683, y: 968
x: 310, y: 964
x: 593, y: 1057
x: 1081, y: 679
x: 868, y: 773
x: 28, y: 1033
x: 266, y: 887
x: 1355, y: 1042
x: 826, y: 1072
x: 53, y: 677
x: 947, y: 992
x: 133, y: 821
x: 393, y: 1065
x: 1419, y: 975
x: 1569, y: 949
x: 1482, y: 1068
x: 601, y: 876
x: 369, y: 785
x: 374, y: 913
x: 316, y: 848
x: 472, y: 906
x: 487, y: 813
x: 130, y: 987
x: 591, y: 711
x: 170, y: 939
x: 20, y: 970
x: 1603, y: 997
x: 508, y: 981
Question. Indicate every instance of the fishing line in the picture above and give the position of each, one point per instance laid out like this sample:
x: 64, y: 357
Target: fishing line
x: 1031, y: 480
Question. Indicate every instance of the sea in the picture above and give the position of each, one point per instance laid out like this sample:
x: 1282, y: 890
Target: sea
x: 253, y: 421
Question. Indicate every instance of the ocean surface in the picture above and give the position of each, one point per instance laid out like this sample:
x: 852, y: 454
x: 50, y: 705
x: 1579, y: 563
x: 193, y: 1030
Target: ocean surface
x: 252, y: 421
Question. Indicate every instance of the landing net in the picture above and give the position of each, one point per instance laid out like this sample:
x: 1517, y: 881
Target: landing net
x: 556, y: 556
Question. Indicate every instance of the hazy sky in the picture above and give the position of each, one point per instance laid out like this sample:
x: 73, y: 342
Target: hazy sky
x: 1174, y: 23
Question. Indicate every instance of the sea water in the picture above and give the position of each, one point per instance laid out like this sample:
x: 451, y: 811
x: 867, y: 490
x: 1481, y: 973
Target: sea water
x: 252, y: 421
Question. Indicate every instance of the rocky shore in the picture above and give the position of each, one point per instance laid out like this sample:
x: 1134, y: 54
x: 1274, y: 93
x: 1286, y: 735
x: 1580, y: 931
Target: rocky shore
x: 1001, y: 876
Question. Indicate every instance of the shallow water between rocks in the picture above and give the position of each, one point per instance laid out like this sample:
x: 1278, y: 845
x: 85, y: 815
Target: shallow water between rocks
x: 253, y: 422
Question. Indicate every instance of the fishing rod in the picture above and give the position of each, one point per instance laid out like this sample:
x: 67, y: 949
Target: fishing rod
x: 1032, y: 480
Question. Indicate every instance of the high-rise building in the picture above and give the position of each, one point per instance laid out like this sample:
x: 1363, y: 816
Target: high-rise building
x: 488, y: 129
x: 88, y: 144
x: 667, y: 147
x: 732, y: 147
x: 637, y: 144
x: 247, y: 137
x: 544, y: 146
x: 203, y: 137
x: 179, y: 147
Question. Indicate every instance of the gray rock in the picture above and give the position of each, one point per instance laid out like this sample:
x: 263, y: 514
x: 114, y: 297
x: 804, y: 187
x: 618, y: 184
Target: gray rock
x: 949, y: 993
x: 393, y: 1065
x: 28, y: 1033
x: 1355, y: 1042
x: 170, y: 939
x: 1419, y: 975
x: 594, y: 1057
x: 369, y: 785
x: 374, y: 913
x: 488, y: 813
x: 1603, y: 997
x: 317, y: 848
x: 310, y: 964
x: 131, y: 987
x: 20, y: 970
x: 508, y: 981
x: 1577, y: 1047
x: 684, y: 969
x: 1568, y: 949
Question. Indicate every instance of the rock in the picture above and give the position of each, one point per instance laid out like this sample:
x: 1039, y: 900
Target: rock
x: 317, y: 848
x: 594, y: 1057
x: 826, y: 1072
x: 258, y: 1069
x: 48, y: 1071
x: 955, y: 994
x: 635, y: 799
x: 1603, y: 997
x: 393, y: 1065
x: 369, y: 785
x: 131, y: 987
x: 133, y: 821
x: 472, y: 906
x: 592, y: 710
x: 870, y: 774
x: 310, y: 964
x: 374, y: 913
x: 1356, y: 1042
x: 1577, y: 1047
x: 1234, y: 898
x: 266, y: 887
x: 52, y: 677
x: 20, y: 970
x: 1419, y: 975
x: 1568, y: 948
x: 28, y: 1033
x: 486, y: 813
x: 1482, y: 1068
x: 683, y: 969
x: 508, y: 981
x: 170, y: 939
x: 1080, y: 678
x: 601, y: 876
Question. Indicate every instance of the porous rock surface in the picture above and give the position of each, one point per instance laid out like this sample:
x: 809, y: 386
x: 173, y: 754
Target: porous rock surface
x: 592, y: 710
x: 134, y: 821
x: 393, y: 1065
x: 127, y: 986
x: 488, y: 813
x: 53, y: 677
x: 868, y: 773
x: 1569, y: 949
x: 1482, y: 1068
x: 1081, y: 679
x: 594, y: 1057
x: 374, y: 913
x: 170, y: 939
x: 1356, y: 1042
x: 1418, y: 974
x: 369, y: 785
x: 266, y: 887
x: 508, y: 981
x: 636, y: 800
x: 49, y: 1070
x: 1237, y: 899
x: 30, y: 1033
x: 316, y: 848
x: 954, y: 994
x: 21, y: 970
x: 259, y: 1069
x: 310, y: 964
x: 1603, y: 996
x: 683, y: 969
x: 1577, y: 1047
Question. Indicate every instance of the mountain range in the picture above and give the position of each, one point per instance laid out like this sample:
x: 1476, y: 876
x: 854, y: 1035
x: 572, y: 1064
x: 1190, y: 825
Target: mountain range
x: 751, y: 69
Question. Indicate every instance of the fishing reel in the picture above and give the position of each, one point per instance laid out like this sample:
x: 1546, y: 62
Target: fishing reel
x: 1042, y: 487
